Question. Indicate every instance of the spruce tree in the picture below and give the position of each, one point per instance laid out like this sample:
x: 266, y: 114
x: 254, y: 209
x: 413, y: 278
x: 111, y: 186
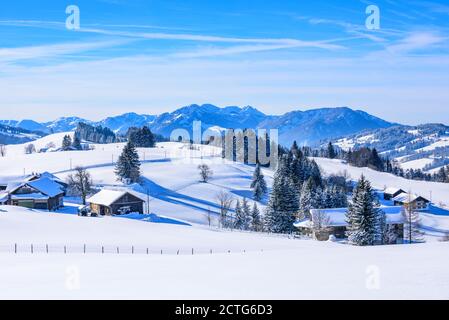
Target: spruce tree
x: 239, y: 219
x: 76, y: 143
x: 331, y: 154
x: 256, y: 221
x: 258, y: 184
x: 306, y: 199
x: 284, y: 203
x: 128, y: 164
x: 66, y: 142
x: 363, y: 215
x: 246, y: 213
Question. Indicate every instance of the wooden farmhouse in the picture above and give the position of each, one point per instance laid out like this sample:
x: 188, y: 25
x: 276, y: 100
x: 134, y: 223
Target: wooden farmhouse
x: 115, y: 202
x: 41, y: 193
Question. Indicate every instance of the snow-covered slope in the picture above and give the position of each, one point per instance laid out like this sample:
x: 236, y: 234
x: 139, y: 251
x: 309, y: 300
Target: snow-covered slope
x: 415, y: 147
x: 238, y: 268
x: 297, y: 268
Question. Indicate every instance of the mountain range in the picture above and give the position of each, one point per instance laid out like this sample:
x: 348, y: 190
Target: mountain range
x: 306, y: 127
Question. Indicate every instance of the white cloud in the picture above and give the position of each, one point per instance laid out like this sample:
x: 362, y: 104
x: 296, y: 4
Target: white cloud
x: 52, y: 50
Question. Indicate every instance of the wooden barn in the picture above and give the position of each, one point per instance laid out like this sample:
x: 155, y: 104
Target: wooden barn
x: 42, y: 193
x: 115, y: 202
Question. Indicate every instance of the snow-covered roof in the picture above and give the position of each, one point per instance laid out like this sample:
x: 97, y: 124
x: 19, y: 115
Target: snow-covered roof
x: 34, y: 196
x: 46, y: 186
x: 337, y: 217
x: 407, y: 198
x: 7, y: 180
x: 3, y: 197
x: 50, y: 176
x: 107, y: 197
x: 393, y: 190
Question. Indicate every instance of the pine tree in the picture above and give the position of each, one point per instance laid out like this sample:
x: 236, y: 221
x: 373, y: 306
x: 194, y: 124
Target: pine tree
x: 306, y: 199
x: 239, y: 220
x: 363, y: 215
x: 246, y: 213
x: 258, y: 184
x: 76, y: 143
x: 66, y: 142
x: 284, y: 203
x: 128, y: 164
x: 331, y: 154
x: 256, y: 221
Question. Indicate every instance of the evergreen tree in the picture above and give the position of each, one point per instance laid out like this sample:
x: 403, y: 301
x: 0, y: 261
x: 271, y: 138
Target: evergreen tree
x: 66, y: 142
x: 141, y: 137
x: 331, y: 154
x: 76, y: 143
x: 258, y: 184
x: 246, y: 213
x: 256, y: 221
x: 283, y: 204
x: 363, y: 215
x: 239, y: 220
x: 128, y: 164
x: 306, y: 199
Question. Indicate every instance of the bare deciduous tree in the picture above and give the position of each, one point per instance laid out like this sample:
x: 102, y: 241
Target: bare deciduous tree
x: 80, y: 183
x: 205, y: 172
x: 50, y: 145
x: 412, y: 230
x: 225, y: 201
x: 30, y: 148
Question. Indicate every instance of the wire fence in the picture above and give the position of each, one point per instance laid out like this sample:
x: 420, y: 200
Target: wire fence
x: 111, y: 249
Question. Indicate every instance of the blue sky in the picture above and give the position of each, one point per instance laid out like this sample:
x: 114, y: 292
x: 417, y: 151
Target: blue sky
x: 154, y: 56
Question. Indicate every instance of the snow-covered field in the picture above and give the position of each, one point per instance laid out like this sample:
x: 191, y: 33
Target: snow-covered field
x: 285, y: 269
x: 241, y: 266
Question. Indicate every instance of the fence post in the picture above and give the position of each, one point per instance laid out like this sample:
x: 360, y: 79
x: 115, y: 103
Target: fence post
x: 192, y: 251
x: 162, y: 252
x: 132, y: 250
x: 210, y: 251
x: 118, y: 250
x: 177, y: 253
x: 84, y: 249
x: 46, y: 247
x: 15, y: 248
x: 102, y: 250
x: 65, y: 249
x: 148, y: 251
x: 32, y: 249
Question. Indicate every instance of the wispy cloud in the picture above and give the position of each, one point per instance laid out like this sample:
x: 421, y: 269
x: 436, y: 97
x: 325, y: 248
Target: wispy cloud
x: 52, y: 50
x: 416, y: 41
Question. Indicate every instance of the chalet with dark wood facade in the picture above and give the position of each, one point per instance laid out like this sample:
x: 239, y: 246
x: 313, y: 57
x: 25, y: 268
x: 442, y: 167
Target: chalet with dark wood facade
x: 115, y: 202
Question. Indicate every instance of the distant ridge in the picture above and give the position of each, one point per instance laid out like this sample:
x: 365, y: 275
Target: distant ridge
x: 306, y: 127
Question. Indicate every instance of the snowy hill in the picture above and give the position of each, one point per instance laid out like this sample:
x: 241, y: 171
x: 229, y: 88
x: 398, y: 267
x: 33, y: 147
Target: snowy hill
x: 14, y: 135
x: 307, y: 127
x: 236, y: 266
x: 181, y: 205
x: 415, y: 147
